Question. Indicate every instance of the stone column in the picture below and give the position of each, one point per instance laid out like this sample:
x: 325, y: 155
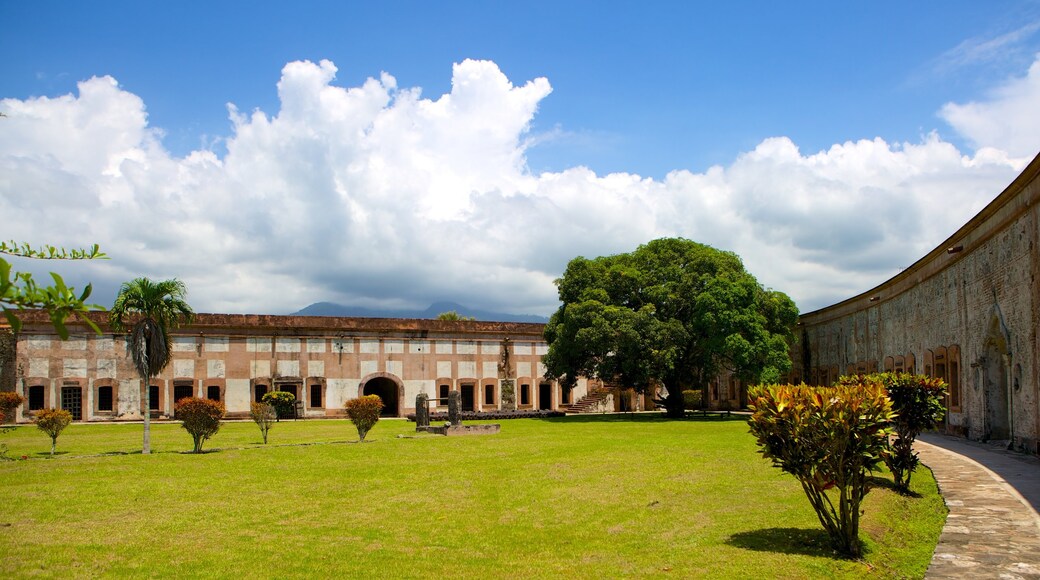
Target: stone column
x: 422, y: 411
x: 455, y: 408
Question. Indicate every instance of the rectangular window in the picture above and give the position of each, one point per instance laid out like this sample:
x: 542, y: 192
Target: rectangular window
x: 153, y: 397
x: 525, y: 394
x: 316, y: 395
x: 443, y: 396
x: 104, y: 398
x: 213, y: 392
x: 36, y: 398
x: 258, y: 393
x: 182, y: 391
x: 489, y: 394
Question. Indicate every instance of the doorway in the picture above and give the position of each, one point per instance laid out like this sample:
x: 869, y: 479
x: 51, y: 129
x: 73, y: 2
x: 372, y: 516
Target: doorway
x: 386, y: 389
x: 72, y: 401
x: 545, y: 396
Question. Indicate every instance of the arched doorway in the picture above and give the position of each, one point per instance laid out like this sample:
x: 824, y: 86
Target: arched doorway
x: 995, y: 381
x: 388, y: 390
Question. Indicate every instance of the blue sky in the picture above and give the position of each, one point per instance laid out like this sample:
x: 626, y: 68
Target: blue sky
x: 637, y: 89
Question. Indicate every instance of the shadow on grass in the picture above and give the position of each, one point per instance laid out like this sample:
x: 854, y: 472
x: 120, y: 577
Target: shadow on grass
x: 885, y: 483
x: 787, y: 541
x: 49, y: 454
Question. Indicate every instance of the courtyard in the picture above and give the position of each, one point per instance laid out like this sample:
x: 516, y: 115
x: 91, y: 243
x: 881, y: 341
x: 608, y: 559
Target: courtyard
x: 581, y: 496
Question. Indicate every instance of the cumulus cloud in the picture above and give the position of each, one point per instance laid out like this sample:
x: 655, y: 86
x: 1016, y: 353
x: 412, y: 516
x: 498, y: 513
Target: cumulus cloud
x: 1007, y: 120
x: 378, y: 196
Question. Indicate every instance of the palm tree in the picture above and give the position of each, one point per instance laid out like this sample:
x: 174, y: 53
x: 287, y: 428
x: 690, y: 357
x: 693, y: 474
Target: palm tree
x: 157, y: 307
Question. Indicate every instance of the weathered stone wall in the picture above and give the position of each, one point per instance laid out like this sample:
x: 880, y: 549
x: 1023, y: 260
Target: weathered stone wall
x: 328, y: 360
x: 967, y: 311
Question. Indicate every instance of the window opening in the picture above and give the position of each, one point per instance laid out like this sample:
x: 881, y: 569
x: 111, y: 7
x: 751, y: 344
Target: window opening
x: 36, y: 398
x: 104, y: 397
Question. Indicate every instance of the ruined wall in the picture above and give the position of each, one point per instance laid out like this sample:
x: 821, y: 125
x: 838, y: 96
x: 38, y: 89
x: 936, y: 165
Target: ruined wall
x: 326, y: 361
x: 968, y: 311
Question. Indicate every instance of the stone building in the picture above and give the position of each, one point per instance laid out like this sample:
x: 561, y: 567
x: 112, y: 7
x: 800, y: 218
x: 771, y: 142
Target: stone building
x: 967, y: 312
x: 323, y: 361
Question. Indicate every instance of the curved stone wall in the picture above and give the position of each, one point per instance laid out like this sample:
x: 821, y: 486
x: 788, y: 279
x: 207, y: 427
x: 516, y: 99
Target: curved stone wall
x: 967, y: 312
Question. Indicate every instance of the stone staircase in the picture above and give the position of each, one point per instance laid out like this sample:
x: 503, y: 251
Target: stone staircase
x: 594, y: 402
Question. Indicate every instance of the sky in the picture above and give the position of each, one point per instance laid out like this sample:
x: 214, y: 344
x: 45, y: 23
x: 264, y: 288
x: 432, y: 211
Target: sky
x: 396, y: 154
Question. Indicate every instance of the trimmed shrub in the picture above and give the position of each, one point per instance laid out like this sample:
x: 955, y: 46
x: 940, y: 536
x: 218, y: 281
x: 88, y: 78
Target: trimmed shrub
x: 830, y: 439
x: 363, y: 412
x: 691, y: 400
x: 917, y: 401
x: 264, y: 416
x: 283, y: 402
x: 9, y: 401
x: 52, y: 422
x: 200, y: 417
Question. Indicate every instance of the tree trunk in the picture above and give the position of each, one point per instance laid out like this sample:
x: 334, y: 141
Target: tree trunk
x: 54, y: 443
x: 147, y: 447
x: 673, y: 404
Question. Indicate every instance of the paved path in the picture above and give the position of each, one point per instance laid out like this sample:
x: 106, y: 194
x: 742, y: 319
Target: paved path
x: 993, y: 529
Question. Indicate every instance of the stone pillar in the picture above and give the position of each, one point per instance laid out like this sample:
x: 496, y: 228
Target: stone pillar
x: 455, y: 408
x: 422, y: 411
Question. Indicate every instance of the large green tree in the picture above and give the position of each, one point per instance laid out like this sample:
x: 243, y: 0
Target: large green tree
x: 154, y: 308
x: 673, y: 313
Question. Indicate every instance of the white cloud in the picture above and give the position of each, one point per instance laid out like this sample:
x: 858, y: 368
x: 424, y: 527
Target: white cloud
x: 375, y: 195
x: 1007, y: 121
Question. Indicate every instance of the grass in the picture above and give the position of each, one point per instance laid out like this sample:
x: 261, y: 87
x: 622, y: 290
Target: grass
x: 585, y: 497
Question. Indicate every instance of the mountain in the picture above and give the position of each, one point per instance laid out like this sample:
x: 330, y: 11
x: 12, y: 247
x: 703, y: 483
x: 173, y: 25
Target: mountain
x: 330, y: 309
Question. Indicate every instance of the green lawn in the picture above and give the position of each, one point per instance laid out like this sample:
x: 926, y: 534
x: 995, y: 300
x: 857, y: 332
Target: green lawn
x: 587, y: 497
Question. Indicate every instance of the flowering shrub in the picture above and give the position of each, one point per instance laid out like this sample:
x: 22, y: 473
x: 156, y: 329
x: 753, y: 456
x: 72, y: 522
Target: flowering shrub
x: 9, y: 401
x: 283, y: 402
x: 364, y: 413
x: 830, y: 439
x: 264, y: 416
x: 52, y: 422
x: 200, y: 417
x: 917, y: 401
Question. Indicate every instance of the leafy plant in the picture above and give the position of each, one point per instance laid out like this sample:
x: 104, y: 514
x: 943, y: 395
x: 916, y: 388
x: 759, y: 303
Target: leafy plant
x: 264, y: 416
x: 200, y: 417
x: 9, y: 401
x: 917, y: 401
x: 830, y: 439
x: 19, y: 290
x: 363, y: 412
x: 52, y: 422
x: 284, y: 402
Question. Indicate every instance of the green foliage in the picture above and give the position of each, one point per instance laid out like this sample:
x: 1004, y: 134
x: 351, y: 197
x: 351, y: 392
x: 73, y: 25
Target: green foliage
x: 917, y: 401
x: 52, y: 422
x: 363, y: 412
x: 200, y: 417
x: 264, y: 415
x: 156, y: 307
x: 453, y: 315
x: 9, y: 401
x: 18, y: 290
x: 691, y: 400
x: 283, y: 401
x: 672, y: 312
x: 830, y: 439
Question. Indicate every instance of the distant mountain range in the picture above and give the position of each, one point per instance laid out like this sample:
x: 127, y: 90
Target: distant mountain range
x: 330, y: 309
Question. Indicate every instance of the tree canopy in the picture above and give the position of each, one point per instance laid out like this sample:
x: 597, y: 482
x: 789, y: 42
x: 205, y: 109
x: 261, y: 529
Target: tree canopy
x: 673, y: 313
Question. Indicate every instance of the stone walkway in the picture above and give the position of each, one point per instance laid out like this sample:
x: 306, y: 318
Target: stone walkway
x: 993, y: 529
